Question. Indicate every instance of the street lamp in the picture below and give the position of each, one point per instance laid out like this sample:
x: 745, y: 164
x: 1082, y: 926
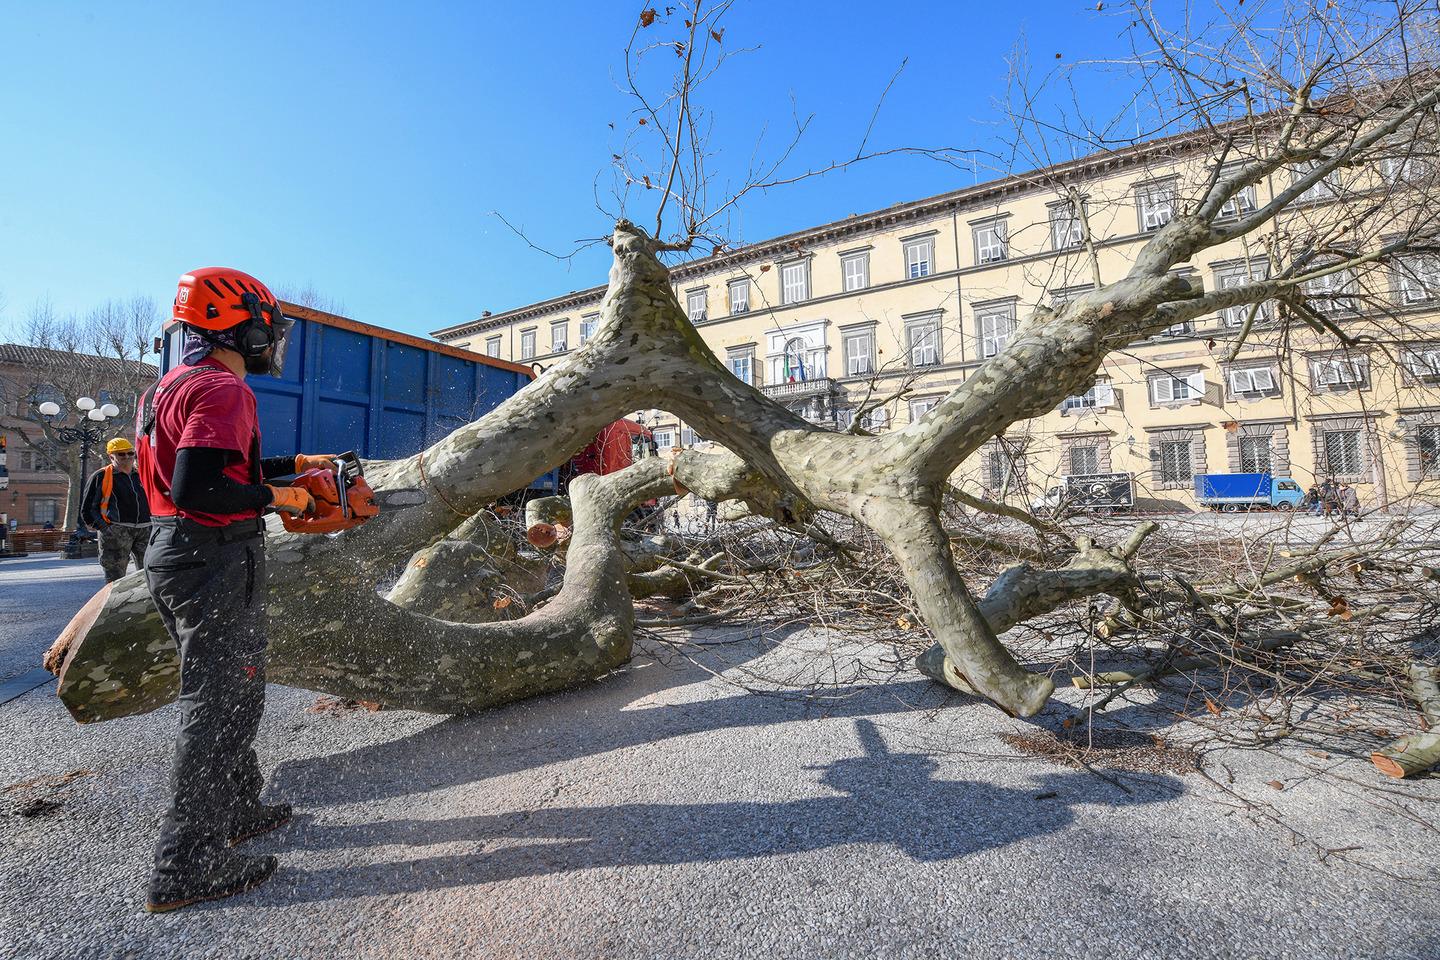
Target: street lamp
x: 81, y: 432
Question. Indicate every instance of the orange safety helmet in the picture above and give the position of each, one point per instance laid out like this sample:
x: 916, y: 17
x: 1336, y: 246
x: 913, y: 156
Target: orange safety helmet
x: 221, y: 298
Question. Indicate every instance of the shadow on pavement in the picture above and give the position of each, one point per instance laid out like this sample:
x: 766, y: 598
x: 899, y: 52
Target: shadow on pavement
x: 586, y: 722
x: 882, y: 797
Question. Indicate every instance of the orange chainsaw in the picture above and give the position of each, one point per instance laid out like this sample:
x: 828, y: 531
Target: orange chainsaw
x: 342, y: 498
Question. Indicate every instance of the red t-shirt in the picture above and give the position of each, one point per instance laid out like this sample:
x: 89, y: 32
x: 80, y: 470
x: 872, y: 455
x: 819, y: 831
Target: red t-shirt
x: 210, y: 409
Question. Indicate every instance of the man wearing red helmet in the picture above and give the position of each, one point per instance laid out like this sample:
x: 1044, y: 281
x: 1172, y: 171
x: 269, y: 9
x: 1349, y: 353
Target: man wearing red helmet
x: 200, y: 465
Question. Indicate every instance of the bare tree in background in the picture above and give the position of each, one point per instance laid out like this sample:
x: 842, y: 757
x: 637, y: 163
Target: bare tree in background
x: 104, y: 354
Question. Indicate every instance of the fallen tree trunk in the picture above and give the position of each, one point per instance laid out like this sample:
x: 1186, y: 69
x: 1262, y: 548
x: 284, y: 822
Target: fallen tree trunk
x: 355, y: 644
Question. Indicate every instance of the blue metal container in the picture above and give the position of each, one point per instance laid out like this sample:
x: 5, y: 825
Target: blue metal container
x: 353, y: 386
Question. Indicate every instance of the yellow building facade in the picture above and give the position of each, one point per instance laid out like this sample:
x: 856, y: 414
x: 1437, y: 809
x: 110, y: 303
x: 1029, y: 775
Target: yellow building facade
x: 882, y: 314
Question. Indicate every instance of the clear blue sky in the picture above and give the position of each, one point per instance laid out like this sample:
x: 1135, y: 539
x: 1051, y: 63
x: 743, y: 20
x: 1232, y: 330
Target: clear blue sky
x: 361, y: 147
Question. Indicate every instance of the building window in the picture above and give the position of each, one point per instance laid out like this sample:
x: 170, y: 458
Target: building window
x: 492, y: 346
x: 45, y: 510
x: 1067, y: 228
x: 875, y: 420
x: 527, y: 344
x: 739, y: 296
x: 1169, y: 388
x: 992, y: 241
x: 1252, y: 380
x: 922, y: 406
x: 1417, y: 279
x: 1326, y: 188
x: 1084, y: 459
x: 1405, y: 168
x: 1099, y: 396
x: 1423, y: 361
x: 559, y: 336
x: 1339, y: 373
x: 1427, y: 438
x: 1240, y: 203
x: 1002, y: 468
x: 798, y: 361
x: 1175, y: 464
x: 844, y: 418
x: 855, y: 270
x: 1156, y: 205
x: 695, y: 305
x: 795, y: 281
x: 1331, y: 291
x: 1340, y: 452
x: 588, y: 323
x: 919, y: 257
x: 996, y: 326
x: 1254, y: 454
x: 1232, y: 277
x: 688, y: 437
x: 665, y: 439
x: 1182, y: 329
x: 859, y: 352
x: 922, y: 337
x: 742, y: 364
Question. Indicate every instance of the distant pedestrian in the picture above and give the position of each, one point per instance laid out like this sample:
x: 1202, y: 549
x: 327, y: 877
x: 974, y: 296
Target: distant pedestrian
x: 1311, y: 501
x: 1329, y: 497
x: 1349, y: 501
x: 115, y: 507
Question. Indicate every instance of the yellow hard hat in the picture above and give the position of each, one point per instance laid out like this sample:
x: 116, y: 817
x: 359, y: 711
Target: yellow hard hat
x: 119, y: 445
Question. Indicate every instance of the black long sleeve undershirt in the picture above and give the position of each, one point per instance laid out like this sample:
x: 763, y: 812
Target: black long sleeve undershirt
x: 200, y: 483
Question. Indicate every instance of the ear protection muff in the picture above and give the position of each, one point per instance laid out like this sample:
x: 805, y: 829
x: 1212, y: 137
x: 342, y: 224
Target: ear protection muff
x: 257, y: 334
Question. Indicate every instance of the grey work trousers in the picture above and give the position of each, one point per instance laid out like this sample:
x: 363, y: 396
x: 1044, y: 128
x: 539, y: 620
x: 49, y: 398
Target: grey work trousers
x: 209, y: 586
x: 119, y: 542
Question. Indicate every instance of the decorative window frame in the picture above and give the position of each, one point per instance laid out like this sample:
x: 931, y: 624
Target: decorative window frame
x: 1359, y: 359
x: 999, y: 228
x: 1195, y: 435
x: 743, y: 307
x: 700, y: 295
x: 919, y: 242
x: 869, y: 330
x: 743, y: 352
x: 1278, y: 433
x: 1075, y: 233
x: 1013, y: 450
x: 1364, y: 423
x: 861, y: 256
x: 1268, y: 363
x: 1233, y: 273
x: 1100, y: 439
x: 1164, y: 188
x: 562, y: 327
x: 1197, y: 390
x: 802, y: 262
x: 935, y: 318
x: 534, y: 334
x: 1004, y: 308
x: 493, y: 342
x: 1415, y: 419
x: 1420, y: 363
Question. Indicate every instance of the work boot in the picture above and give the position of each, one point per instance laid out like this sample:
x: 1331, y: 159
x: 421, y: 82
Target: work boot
x: 255, y: 820
x: 233, y: 874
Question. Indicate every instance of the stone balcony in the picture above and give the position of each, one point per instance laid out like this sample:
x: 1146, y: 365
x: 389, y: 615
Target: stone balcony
x: 801, y: 389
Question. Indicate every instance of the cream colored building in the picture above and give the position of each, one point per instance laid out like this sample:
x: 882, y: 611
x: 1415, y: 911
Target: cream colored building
x: 902, y: 304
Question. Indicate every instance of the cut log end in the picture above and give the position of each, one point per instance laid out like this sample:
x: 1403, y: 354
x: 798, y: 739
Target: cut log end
x: 75, y: 630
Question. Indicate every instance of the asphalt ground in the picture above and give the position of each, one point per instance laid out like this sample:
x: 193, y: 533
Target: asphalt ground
x: 38, y: 596
x: 689, y: 806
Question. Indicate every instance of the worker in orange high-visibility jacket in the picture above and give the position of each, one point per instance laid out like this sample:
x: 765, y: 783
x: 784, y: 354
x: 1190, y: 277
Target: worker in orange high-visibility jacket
x: 114, y: 506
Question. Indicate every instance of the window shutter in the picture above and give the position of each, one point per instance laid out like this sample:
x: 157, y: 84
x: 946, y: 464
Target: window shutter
x: 1104, y: 395
x: 1262, y: 379
x: 1197, y: 384
x: 1162, y: 389
x: 1239, y: 381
